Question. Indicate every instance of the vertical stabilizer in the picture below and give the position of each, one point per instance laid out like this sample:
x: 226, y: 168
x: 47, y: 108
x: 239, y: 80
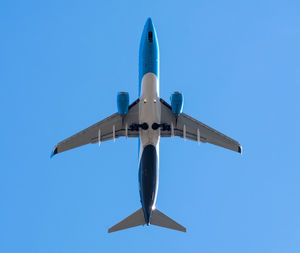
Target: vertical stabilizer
x: 135, y: 219
x: 162, y: 220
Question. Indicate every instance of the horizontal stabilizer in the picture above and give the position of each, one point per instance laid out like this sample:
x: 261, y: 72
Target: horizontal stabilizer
x: 162, y: 220
x: 135, y: 219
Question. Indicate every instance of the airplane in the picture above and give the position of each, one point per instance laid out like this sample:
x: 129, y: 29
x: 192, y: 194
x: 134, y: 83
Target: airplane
x: 148, y: 118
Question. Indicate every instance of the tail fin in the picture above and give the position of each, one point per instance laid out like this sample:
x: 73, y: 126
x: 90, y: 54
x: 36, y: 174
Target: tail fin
x: 162, y: 220
x: 133, y: 220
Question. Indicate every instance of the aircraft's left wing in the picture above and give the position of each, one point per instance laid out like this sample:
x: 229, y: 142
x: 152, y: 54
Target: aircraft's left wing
x: 187, y: 127
x: 112, y: 127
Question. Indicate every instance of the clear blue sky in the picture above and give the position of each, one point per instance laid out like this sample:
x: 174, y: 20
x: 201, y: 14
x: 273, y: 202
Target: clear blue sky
x: 237, y: 64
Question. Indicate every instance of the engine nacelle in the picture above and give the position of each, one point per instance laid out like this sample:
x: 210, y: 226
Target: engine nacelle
x: 123, y: 102
x: 177, y: 102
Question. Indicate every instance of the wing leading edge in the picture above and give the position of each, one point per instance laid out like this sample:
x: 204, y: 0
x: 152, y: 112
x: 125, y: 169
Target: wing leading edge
x: 110, y: 128
x: 187, y: 127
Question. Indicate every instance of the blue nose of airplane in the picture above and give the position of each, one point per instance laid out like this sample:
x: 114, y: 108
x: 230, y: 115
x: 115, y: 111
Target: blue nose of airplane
x: 149, y: 37
x: 149, y: 52
x: 149, y: 25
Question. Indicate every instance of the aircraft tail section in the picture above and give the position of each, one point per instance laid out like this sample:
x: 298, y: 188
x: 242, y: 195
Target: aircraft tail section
x: 133, y: 220
x: 162, y: 220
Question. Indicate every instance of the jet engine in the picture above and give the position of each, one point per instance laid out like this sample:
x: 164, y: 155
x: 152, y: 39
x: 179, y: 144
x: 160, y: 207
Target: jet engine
x: 123, y: 102
x: 177, y: 102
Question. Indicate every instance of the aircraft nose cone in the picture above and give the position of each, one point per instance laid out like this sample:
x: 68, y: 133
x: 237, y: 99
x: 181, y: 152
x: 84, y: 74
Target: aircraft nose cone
x: 149, y: 25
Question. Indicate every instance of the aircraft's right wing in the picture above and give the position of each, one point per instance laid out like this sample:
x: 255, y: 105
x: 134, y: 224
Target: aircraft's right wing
x: 187, y: 127
x: 112, y: 127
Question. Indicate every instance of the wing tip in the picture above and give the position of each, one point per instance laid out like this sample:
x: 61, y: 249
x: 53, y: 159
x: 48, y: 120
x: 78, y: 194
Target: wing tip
x: 54, y: 152
x: 240, y: 149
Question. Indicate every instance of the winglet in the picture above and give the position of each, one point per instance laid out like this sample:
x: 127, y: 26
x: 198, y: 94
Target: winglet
x: 54, y: 152
x: 240, y: 149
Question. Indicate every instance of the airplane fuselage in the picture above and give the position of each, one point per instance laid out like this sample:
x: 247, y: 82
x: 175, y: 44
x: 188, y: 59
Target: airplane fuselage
x: 148, y: 118
x: 149, y: 114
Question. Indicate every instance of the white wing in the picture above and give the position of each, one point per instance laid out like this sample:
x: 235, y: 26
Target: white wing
x: 112, y: 127
x: 187, y: 127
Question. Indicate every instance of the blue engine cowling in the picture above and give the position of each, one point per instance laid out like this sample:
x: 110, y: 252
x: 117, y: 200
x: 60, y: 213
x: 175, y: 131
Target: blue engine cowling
x: 123, y: 102
x: 177, y: 102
